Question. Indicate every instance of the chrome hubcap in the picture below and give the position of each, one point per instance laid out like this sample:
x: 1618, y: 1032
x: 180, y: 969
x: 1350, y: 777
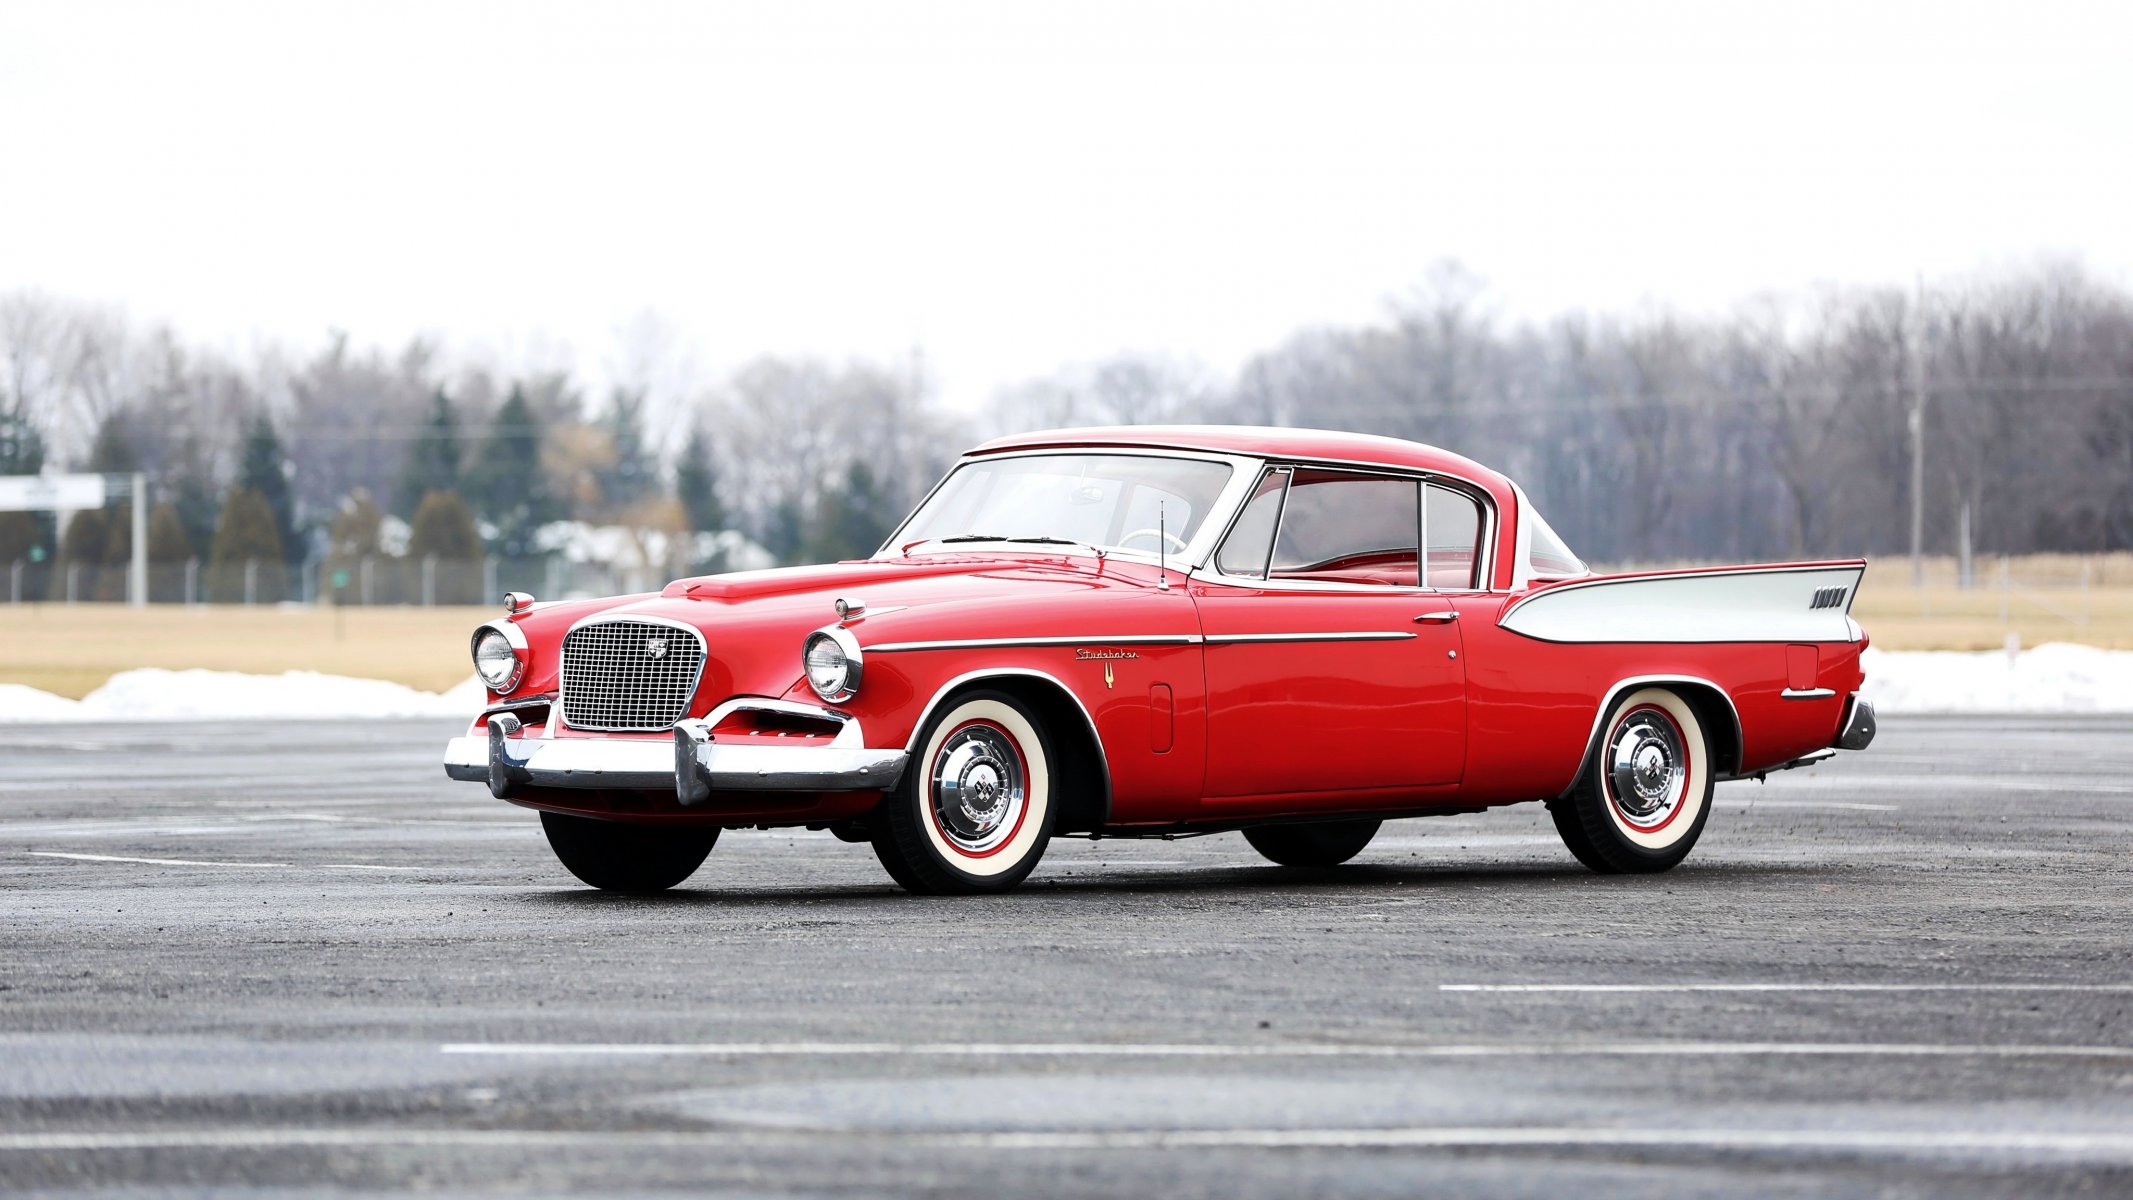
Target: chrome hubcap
x: 977, y: 788
x: 1646, y: 767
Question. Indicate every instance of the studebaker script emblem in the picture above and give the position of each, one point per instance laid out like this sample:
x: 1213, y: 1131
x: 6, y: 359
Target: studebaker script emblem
x: 656, y: 647
x: 1088, y: 655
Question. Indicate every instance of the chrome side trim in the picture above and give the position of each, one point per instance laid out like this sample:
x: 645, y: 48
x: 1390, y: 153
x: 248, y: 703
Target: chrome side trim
x: 1103, y: 756
x: 1136, y: 639
x: 1359, y: 636
x: 1607, y: 703
x: 1807, y: 693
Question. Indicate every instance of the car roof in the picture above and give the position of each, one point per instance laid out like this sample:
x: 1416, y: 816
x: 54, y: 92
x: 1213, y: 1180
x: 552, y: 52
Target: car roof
x: 1262, y: 441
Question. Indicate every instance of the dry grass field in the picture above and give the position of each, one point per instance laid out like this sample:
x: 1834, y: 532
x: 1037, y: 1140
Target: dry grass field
x: 2045, y: 598
x: 70, y: 649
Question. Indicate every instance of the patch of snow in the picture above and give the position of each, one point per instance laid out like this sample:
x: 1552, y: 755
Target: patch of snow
x: 2056, y: 677
x: 21, y: 702
x: 154, y: 694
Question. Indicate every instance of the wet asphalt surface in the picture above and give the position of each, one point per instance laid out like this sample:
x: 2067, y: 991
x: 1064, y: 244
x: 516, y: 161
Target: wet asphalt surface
x: 1908, y: 973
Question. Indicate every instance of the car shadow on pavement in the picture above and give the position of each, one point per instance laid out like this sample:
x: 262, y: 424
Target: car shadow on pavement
x: 1303, y: 884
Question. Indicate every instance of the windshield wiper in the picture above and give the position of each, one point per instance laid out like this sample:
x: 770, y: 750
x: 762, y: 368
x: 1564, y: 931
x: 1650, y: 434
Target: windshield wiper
x: 1041, y: 539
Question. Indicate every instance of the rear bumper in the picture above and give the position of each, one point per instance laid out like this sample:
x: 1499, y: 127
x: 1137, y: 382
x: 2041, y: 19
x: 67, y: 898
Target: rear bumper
x: 693, y: 764
x: 1856, y: 731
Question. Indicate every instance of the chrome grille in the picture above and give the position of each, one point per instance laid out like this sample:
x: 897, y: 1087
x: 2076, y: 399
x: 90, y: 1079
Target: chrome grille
x: 629, y: 676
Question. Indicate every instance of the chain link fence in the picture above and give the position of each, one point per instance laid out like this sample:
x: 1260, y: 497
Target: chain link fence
x: 377, y: 580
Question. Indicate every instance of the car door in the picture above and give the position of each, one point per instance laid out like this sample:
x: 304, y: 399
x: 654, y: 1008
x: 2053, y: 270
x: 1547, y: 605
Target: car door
x: 1330, y: 668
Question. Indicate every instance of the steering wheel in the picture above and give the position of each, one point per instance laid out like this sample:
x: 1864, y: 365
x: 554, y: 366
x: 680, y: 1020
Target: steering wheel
x: 1175, y: 541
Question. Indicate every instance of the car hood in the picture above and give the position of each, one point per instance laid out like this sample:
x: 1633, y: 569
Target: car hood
x: 753, y: 622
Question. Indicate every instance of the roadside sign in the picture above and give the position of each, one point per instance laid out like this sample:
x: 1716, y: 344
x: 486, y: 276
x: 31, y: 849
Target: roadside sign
x: 27, y: 493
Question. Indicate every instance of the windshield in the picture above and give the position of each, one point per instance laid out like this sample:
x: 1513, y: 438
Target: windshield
x: 1108, y: 501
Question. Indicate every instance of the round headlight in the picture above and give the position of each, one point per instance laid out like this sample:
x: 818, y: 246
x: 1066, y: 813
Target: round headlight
x: 832, y: 661
x: 495, y: 661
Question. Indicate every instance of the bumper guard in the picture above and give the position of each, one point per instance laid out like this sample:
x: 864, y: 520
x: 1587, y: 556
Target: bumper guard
x: 694, y: 763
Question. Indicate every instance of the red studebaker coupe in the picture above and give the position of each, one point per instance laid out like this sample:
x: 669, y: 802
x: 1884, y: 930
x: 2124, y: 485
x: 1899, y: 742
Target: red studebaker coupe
x: 1159, y: 631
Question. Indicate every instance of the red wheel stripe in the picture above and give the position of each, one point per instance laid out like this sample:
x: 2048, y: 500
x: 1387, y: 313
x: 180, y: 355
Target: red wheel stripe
x: 933, y: 813
x: 1680, y: 801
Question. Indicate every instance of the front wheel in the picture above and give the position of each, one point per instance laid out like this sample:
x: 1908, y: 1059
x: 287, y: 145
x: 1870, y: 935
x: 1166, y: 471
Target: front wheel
x: 1318, y: 844
x: 973, y: 811
x: 1643, y: 798
x: 616, y: 857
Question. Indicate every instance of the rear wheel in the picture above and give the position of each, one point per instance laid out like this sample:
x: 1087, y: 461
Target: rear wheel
x: 1645, y: 793
x: 1318, y: 844
x: 973, y: 811
x: 616, y: 857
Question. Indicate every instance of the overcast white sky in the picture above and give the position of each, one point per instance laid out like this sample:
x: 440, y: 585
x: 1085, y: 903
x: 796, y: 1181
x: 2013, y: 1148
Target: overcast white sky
x: 1013, y: 188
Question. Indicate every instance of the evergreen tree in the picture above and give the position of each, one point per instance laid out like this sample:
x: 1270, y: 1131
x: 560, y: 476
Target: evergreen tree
x: 168, y: 552
x: 114, y: 451
x: 265, y: 473
x: 784, y: 530
x: 433, y: 464
x: 21, y: 446
x: 24, y: 536
x: 354, y: 533
x: 507, y: 485
x: 632, y: 475
x: 696, y: 485
x: 21, y: 539
x: 443, y: 528
x: 852, y: 519
x: 199, y: 510
x: 247, y: 534
x: 86, y: 533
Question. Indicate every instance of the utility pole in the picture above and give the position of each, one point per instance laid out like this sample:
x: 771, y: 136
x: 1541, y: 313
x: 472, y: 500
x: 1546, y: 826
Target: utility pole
x: 137, y: 569
x: 1916, y: 345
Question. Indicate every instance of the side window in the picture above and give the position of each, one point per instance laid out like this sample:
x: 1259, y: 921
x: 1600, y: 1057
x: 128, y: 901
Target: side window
x: 1453, y: 521
x: 1343, y: 527
x: 1244, y: 552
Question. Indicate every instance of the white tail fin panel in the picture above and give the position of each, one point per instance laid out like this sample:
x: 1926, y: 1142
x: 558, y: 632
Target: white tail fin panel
x: 1807, y: 602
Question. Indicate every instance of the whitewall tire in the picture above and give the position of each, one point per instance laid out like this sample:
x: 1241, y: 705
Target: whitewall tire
x: 1645, y: 792
x: 973, y: 811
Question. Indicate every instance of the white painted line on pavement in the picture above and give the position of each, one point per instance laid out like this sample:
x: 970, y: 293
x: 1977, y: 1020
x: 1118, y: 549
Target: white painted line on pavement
x: 1273, y: 1050
x: 195, y: 862
x: 2107, y: 1144
x: 1642, y: 988
x: 1824, y: 805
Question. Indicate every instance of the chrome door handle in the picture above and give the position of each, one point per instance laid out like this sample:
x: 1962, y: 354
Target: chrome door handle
x: 1438, y: 618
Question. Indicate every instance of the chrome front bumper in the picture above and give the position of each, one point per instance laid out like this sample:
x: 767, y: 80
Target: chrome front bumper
x: 694, y: 763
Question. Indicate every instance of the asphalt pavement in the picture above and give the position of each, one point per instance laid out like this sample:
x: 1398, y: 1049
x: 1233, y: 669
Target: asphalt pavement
x: 238, y: 959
